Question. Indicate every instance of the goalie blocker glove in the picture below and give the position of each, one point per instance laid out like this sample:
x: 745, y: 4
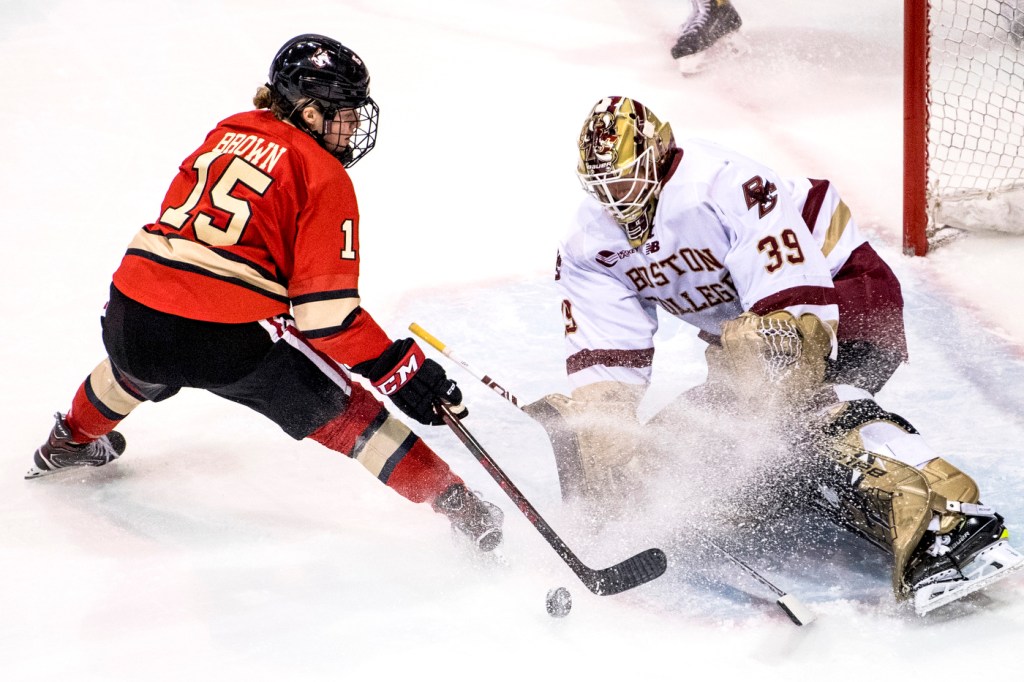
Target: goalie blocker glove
x: 414, y: 382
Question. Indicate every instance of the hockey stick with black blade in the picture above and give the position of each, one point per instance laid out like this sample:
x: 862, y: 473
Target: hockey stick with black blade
x: 634, y: 571
x: 563, y: 441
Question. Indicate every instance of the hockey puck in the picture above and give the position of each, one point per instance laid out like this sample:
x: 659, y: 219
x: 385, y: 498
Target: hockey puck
x: 559, y: 602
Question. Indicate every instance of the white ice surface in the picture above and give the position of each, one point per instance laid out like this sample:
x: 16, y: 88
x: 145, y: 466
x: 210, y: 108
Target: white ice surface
x: 218, y: 548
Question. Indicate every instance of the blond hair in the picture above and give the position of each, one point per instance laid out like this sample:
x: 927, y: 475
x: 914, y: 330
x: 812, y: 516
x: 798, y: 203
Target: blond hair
x: 266, y: 99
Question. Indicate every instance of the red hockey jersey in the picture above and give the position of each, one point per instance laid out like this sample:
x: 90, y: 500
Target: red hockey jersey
x: 260, y: 220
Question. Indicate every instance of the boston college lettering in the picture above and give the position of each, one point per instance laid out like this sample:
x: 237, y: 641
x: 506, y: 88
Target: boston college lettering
x: 658, y: 274
x: 685, y: 260
x: 702, y: 298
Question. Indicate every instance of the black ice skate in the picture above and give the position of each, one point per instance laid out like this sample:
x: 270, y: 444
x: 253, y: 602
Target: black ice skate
x: 478, y: 519
x: 945, y: 568
x: 714, y: 26
x: 60, y: 452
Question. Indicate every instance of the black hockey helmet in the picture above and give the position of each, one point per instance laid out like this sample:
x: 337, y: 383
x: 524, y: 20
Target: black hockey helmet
x: 314, y: 69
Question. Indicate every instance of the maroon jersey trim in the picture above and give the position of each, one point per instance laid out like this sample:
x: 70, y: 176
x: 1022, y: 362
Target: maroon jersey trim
x: 794, y: 296
x: 815, y: 200
x: 609, y: 358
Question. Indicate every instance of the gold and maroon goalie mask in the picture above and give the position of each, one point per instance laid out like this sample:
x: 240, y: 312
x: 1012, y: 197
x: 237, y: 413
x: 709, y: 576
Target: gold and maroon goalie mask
x: 623, y: 149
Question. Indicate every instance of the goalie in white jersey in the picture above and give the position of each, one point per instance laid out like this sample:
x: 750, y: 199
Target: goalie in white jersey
x: 803, y: 320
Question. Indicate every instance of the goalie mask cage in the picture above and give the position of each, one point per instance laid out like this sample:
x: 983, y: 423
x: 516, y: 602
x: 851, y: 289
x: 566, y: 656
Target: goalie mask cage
x: 963, y: 119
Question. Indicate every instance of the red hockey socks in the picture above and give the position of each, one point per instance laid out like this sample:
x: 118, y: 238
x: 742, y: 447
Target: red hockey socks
x: 388, y: 449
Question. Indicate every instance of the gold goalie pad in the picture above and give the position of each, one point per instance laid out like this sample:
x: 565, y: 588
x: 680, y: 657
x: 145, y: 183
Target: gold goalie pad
x: 892, y: 503
x: 594, y: 435
x: 774, y: 357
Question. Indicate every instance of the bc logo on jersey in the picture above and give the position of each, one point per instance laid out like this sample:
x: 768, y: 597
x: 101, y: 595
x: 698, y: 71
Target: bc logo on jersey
x: 761, y: 193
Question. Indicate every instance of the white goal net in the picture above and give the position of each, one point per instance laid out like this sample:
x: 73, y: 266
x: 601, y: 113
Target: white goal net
x: 975, y: 115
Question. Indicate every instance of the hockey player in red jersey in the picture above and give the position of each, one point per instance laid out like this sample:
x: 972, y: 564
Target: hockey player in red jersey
x: 247, y: 285
x: 803, y: 322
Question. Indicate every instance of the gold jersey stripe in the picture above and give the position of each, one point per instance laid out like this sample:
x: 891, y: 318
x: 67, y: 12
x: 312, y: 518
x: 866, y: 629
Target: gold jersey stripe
x: 382, y: 445
x: 195, y: 254
x: 323, y: 314
x: 109, y: 392
x: 840, y: 219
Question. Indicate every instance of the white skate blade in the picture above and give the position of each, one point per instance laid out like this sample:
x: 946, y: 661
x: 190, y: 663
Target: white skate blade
x: 728, y: 47
x: 992, y: 564
x: 35, y: 472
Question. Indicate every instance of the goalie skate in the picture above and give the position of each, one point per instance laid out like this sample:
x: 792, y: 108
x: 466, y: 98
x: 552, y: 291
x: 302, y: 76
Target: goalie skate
x: 990, y: 565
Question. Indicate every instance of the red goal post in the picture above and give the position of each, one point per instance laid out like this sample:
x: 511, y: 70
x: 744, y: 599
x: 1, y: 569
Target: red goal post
x: 963, y: 119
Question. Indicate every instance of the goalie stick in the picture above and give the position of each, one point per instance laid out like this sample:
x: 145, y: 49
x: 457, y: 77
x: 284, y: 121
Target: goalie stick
x: 625, y: 575
x: 794, y: 608
x: 563, y: 437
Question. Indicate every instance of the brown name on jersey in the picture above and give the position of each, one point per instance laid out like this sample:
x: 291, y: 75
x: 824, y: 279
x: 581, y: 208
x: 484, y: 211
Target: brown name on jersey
x: 255, y: 150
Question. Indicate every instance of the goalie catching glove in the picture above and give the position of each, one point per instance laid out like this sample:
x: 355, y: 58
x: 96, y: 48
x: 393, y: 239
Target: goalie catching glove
x: 414, y: 382
x: 776, y: 355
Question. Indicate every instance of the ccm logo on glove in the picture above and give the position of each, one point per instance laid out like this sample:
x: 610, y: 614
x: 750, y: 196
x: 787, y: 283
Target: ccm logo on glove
x: 402, y: 372
x: 414, y: 382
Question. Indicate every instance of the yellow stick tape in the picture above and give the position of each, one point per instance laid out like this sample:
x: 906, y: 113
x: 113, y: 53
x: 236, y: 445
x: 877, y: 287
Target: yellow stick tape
x: 426, y: 336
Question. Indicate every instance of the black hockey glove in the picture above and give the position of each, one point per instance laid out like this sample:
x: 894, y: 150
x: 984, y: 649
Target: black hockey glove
x: 414, y: 382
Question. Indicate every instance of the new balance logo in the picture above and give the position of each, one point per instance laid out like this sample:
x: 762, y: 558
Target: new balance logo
x: 610, y: 258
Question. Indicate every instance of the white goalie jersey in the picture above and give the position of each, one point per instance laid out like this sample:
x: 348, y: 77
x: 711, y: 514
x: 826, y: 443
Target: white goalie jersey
x: 729, y: 236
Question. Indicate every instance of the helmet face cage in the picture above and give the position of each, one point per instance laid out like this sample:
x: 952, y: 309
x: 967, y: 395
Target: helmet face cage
x: 626, y: 193
x: 363, y: 137
x: 315, y: 70
x: 622, y: 145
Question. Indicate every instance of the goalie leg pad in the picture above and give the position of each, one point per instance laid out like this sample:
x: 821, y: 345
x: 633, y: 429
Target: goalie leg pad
x: 949, y: 484
x: 912, y: 499
x: 593, y: 436
x: 564, y: 443
x: 884, y: 500
x: 851, y: 415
